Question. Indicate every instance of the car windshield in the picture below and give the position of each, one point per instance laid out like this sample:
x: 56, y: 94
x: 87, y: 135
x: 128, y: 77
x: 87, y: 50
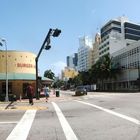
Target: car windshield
x: 80, y: 88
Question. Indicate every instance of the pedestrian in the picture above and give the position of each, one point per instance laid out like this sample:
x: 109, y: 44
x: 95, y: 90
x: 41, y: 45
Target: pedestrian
x: 46, y: 91
x: 39, y: 90
x: 30, y: 94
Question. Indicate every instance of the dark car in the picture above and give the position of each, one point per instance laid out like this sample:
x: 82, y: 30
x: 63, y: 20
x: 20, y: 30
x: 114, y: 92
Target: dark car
x: 80, y: 90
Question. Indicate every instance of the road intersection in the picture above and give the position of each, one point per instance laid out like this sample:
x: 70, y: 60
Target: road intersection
x: 95, y: 116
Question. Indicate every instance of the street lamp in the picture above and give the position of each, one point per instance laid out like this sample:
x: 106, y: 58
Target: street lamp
x: 4, y: 41
x: 46, y: 45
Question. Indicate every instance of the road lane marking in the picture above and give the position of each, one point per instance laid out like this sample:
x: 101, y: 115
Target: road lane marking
x: 112, y: 112
x: 8, y: 122
x: 20, y: 132
x: 65, y: 125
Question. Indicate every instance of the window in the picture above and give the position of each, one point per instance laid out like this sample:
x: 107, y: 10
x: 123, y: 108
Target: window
x: 4, y: 88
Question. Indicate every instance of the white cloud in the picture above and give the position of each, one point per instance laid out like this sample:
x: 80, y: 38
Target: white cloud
x: 58, y: 67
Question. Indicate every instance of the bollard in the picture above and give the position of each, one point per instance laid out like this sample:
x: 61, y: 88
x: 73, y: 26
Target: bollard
x: 57, y: 93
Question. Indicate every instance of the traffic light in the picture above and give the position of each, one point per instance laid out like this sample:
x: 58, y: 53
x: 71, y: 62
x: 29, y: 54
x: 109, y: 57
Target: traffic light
x: 47, y: 47
x: 56, y: 33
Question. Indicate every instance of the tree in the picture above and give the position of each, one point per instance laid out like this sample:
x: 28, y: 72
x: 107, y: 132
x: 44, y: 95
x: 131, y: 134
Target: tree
x: 105, y: 68
x: 58, y: 83
x: 49, y: 74
x: 76, y: 81
x: 85, y: 77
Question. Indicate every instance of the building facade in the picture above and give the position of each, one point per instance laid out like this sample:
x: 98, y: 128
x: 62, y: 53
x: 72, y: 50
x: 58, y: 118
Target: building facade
x: 68, y: 73
x: 117, y: 34
x: 96, y: 48
x: 85, y: 53
x: 20, y: 71
x: 128, y: 60
x: 72, y: 61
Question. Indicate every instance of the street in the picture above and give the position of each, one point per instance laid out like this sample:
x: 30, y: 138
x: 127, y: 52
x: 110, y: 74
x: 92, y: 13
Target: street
x: 97, y: 116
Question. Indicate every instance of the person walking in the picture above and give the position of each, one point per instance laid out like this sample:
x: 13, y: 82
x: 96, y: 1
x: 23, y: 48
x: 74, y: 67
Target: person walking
x: 30, y: 94
x: 46, y: 91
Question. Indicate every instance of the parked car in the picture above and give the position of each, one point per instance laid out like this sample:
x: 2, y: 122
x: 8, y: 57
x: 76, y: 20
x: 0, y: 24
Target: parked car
x: 80, y: 90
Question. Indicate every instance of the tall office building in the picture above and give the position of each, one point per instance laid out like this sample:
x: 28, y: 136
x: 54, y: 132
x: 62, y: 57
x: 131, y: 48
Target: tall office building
x: 117, y: 34
x: 85, y: 53
x: 96, y: 47
x: 72, y: 61
x: 121, y: 39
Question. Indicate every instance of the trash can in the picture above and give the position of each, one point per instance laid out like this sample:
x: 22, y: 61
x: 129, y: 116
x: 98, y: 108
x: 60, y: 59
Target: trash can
x: 57, y: 93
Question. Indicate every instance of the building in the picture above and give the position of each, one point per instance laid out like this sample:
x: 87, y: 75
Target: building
x: 68, y: 73
x: 120, y: 38
x: 72, y: 61
x: 117, y: 34
x: 128, y: 60
x: 96, y: 48
x: 75, y: 60
x: 85, y: 53
x: 20, y: 71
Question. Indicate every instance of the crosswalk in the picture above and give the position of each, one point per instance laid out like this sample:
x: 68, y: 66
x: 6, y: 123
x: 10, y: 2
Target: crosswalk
x: 70, y: 135
x: 26, y: 121
x: 20, y: 132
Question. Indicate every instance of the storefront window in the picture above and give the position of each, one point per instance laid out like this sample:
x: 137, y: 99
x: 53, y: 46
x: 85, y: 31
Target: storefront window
x: 24, y: 89
x: 4, y: 88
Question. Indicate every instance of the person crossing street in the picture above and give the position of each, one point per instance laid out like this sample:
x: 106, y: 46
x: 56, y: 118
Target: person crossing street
x: 46, y: 91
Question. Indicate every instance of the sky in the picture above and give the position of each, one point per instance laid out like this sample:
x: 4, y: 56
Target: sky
x: 24, y: 25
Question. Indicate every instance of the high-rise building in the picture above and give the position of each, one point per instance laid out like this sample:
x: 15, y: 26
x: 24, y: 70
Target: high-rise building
x: 96, y: 48
x: 84, y: 53
x: 72, y: 61
x: 121, y: 39
x: 117, y: 34
x: 75, y: 60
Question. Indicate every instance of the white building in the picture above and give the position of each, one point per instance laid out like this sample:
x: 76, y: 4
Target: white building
x: 84, y: 53
x: 128, y: 60
x: 120, y: 39
x: 117, y: 34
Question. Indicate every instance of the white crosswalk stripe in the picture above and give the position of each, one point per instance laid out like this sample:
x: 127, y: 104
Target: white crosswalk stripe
x: 24, y: 124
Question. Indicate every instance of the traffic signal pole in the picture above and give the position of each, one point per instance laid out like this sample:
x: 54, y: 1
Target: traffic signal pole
x: 47, y: 40
x: 45, y: 45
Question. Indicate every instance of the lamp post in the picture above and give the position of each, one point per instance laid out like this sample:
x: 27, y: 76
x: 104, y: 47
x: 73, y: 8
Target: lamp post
x: 6, y: 65
x: 45, y: 45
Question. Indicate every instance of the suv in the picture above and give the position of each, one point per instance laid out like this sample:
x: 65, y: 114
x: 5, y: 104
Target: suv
x: 80, y: 90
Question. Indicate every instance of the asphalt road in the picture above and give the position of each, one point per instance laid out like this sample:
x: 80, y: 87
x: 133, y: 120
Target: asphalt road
x: 97, y: 116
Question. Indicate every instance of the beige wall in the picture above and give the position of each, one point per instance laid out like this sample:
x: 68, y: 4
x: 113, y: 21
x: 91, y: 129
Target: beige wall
x: 17, y: 62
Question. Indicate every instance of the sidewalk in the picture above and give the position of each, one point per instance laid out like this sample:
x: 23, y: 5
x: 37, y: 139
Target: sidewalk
x: 4, y: 105
x: 24, y: 103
